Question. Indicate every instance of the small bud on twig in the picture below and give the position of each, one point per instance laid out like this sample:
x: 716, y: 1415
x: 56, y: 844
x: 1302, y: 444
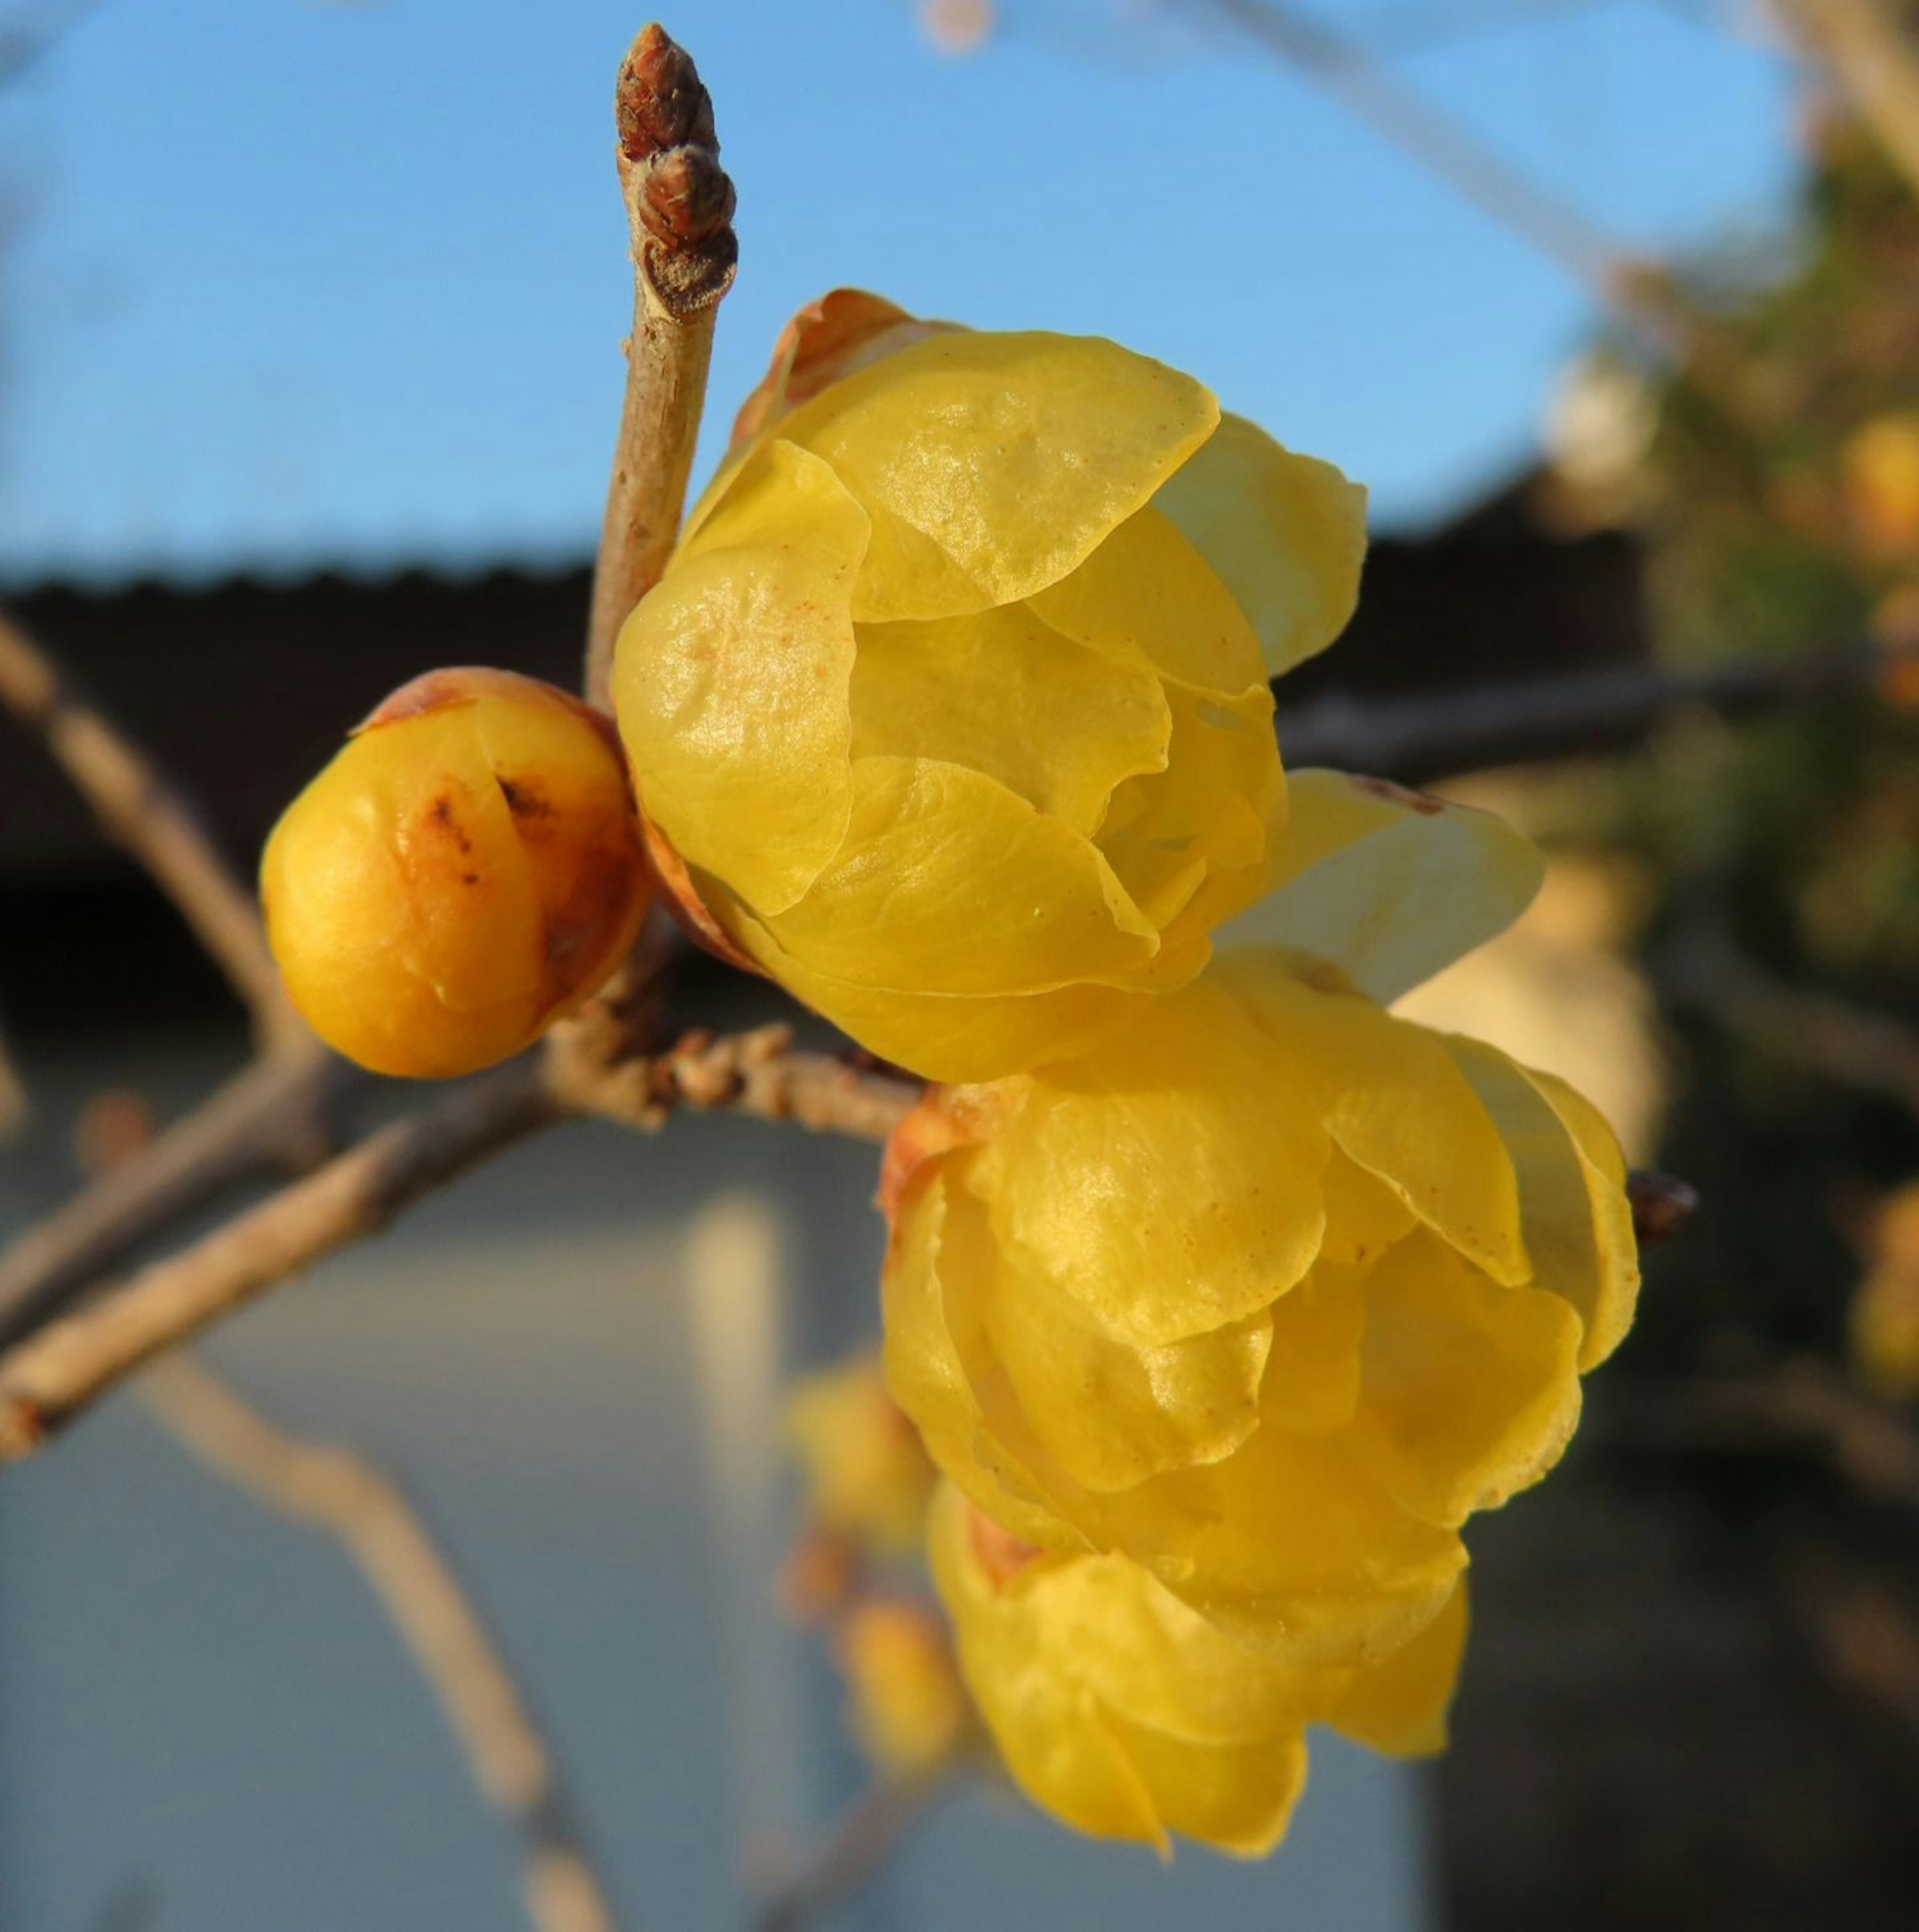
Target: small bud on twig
x: 1661, y: 1205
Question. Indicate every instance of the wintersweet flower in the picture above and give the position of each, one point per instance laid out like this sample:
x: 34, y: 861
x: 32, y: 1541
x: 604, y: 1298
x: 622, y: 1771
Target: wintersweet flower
x: 466, y: 870
x: 1272, y: 1291
x: 951, y: 712
x: 867, y: 1476
x: 1127, y: 1714
x: 906, y: 1704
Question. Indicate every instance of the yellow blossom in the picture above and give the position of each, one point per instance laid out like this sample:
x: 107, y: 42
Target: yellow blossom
x: 1126, y: 1714
x: 1880, y: 463
x: 466, y: 870
x: 907, y: 1707
x: 1272, y: 1291
x: 867, y: 1476
x: 1885, y: 1311
x: 951, y: 712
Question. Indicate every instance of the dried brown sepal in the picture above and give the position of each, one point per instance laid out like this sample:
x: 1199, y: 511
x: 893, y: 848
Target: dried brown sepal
x: 678, y: 195
x: 1661, y: 1205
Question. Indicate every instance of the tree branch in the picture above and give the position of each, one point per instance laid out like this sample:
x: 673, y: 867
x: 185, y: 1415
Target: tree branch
x: 1435, y: 735
x: 147, y: 817
x: 53, y: 1375
x: 271, y: 1117
x: 869, y: 1831
x: 332, y: 1489
x: 679, y: 208
x: 1862, y: 44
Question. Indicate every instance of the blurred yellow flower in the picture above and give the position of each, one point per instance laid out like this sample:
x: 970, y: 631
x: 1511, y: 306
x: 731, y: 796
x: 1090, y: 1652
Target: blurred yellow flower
x: 466, y: 870
x: 909, y: 1708
x: 1127, y: 1715
x: 1273, y: 1292
x: 1880, y: 463
x: 1885, y: 1310
x: 951, y: 712
x: 867, y: 1476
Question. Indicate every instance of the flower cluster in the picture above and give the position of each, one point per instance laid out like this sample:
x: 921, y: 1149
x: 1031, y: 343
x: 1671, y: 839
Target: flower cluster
x: 1221, y: 1296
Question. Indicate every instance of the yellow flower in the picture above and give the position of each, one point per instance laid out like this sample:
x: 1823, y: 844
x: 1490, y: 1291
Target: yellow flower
x: 1127, y: 1714
x: 1272, y: 1291
x: 1880, y: 464
x: 465, y: 870
x: 951, y: 712
x: 867, y: 1476
x: 909, y: 1708
x: 1884, y: 1318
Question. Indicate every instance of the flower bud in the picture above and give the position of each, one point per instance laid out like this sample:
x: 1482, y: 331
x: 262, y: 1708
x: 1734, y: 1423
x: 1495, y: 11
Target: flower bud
x: 867, y: 1476
x: 909, y: 1708
x: 951, y: 712
x: 466, y: 870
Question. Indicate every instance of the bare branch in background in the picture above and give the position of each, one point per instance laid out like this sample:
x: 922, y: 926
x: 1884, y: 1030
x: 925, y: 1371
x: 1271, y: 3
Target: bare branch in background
x: 55, y: 1373
x: 1867, y: 48
x: 332, y: 1489
x: 14, y: 1105
x: 273, y: 1117
x: 1348, y: 71
x: 141, y: 812
x: 1436, y: 735
x: 679, y: 208
x: 868, y: 1833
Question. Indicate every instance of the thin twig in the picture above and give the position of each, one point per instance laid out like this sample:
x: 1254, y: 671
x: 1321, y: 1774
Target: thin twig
x: 140, y: 811
x: 1870, y: 54
x: 1347, y: 70
x: 272, y: 1116
x: 54, y: 1374
x: 867, y: 1835
x: 1436, y: 734
x: 336, y: 1490
x: 679, y: 208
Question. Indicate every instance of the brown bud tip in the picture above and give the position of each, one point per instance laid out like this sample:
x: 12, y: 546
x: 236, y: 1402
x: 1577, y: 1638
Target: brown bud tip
x: 1661, y: 1205
x: 660, y: 103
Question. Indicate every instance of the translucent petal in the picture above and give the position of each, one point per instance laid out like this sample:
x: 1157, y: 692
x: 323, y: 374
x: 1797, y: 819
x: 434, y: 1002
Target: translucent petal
x: 1388, y: 884
x: 1469, y: 1391
x: 948, y: 882
x: 1399, y: 1706
x: 730, y: 681
x: 1287, y: 533
x: 1577, y: 1220
x: 1394, y: 1101
x: 1312, y: 1380
x: 1170, y: 1156
x: 1364, y: 1215
x: 1000, y: 694
x: 1237, y: 1798
x: 1108, y: 1413
x: 1146, y: 595
x: 992, y: 465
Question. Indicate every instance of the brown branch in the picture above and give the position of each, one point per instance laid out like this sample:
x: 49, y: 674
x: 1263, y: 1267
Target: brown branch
x: 869, y: 1831
x: 147, y: 817
x: 1416, y: 740
x: 679, y: 208
x: 14, y: 1105
x: 334, y: 1490
x: 1868, y: 52
x: 273, y: 1116
x: 51, y: 1376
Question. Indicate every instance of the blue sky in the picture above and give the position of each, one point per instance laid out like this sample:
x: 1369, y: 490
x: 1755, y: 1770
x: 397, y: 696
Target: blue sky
x: 296, y: 282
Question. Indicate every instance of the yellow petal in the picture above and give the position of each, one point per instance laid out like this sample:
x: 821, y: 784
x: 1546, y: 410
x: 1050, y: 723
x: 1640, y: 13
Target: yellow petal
x: 1393, y: 1099
x: 1108, y: 1413
x: 1236, y: 1798
x: 1399, y: 1706
x: 1577, y: 1220
x: 1145, y: 595
x: 992, y: 465
x: 1388, y: 884
x: 1312, y: 1380
x: 948, y: 882
x: 1469, y: 1392
x: 1170, y: 1156
x: 1000, y: 694
x: 1287, y: 533
x: 730, y: 681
